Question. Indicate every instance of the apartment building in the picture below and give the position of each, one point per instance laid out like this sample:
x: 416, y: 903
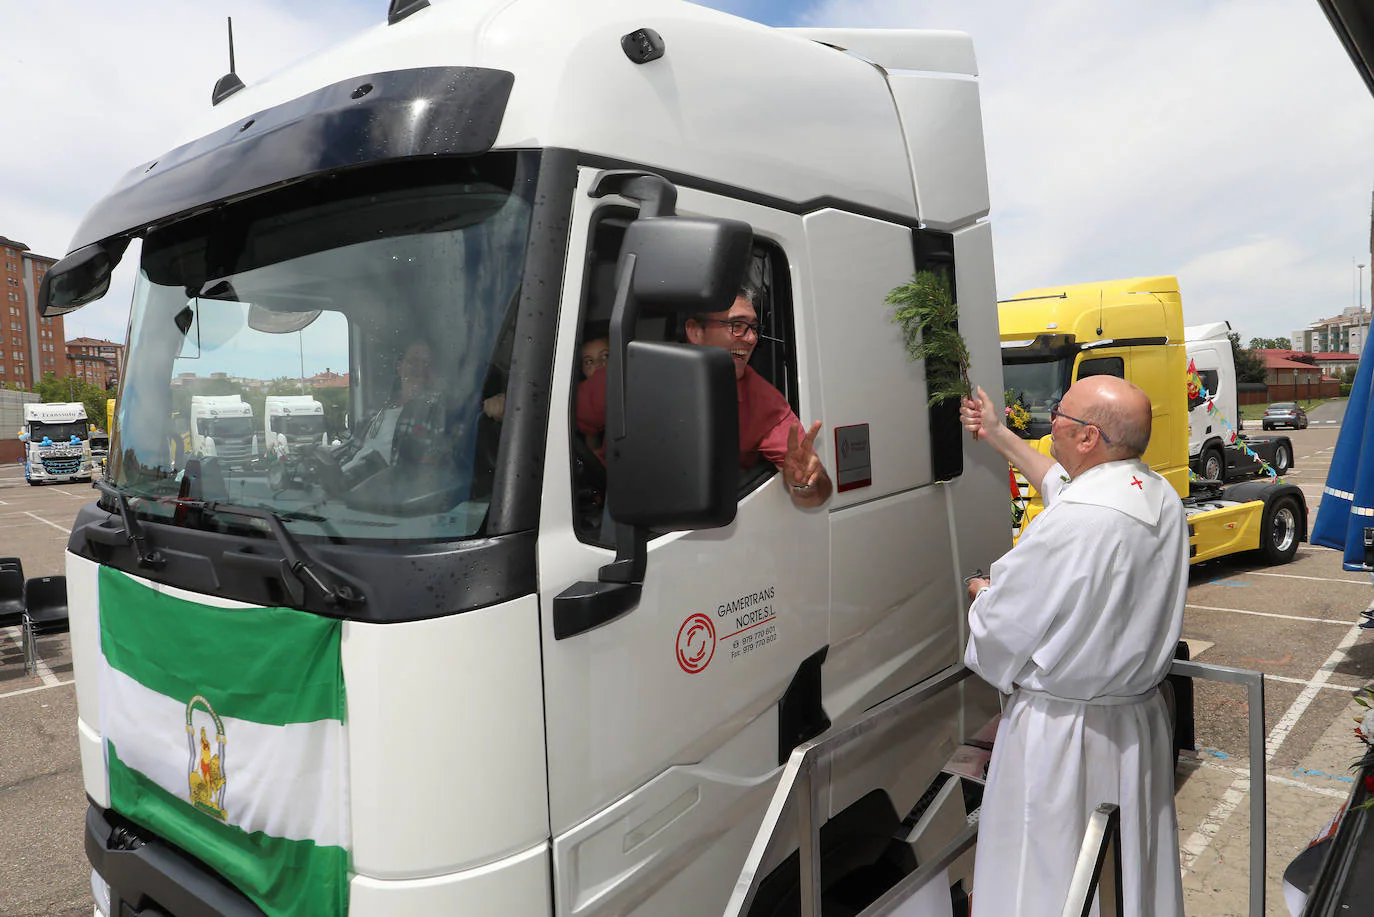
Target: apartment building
x: 96, y: 360
x: 30, y: 346
x: 1344, y: 333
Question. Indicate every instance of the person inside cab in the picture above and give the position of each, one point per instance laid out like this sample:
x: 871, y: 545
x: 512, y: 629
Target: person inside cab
x: 768, y: 428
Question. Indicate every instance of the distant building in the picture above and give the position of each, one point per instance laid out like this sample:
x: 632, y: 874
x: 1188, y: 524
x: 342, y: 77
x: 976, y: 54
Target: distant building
x: 1345, y: 333
x: 91, y: 349
x: 1329, y: 363
x: 28, y: 343
x: 327, y: 379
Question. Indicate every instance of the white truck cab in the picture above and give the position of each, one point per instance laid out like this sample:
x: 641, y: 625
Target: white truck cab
x: 222, y: 428
x: 57, y: 446
x: 506, y: 711
x: 291, y: 422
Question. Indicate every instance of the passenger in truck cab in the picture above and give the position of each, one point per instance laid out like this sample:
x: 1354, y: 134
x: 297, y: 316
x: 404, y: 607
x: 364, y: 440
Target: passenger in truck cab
x: 767, y: 426
x: 408, y: 428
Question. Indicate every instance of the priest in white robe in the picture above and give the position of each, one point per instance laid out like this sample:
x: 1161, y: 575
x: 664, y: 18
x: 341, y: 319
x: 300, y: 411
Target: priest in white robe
x: 1078, y: 624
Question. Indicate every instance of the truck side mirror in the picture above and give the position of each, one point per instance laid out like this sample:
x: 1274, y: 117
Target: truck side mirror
x: 80, y: 278
x: 672, y: 418
x: 678, y: 465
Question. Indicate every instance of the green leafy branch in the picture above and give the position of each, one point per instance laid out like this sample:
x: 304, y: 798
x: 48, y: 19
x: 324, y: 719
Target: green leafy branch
x: 924, y: 308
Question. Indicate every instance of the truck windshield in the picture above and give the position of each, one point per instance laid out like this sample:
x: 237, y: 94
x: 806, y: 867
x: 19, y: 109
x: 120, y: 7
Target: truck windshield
x: 299, y: 425
x: 385, y: 294
x: 57, y: 432
x: 220, y: 427
x: 1033, y: 386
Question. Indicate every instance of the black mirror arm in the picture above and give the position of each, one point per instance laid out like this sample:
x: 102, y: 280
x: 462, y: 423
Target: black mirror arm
x: 624, y: 316
x: 631, y: 555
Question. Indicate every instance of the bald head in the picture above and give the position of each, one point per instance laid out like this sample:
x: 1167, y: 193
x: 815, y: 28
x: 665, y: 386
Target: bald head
x: 1120, y: 409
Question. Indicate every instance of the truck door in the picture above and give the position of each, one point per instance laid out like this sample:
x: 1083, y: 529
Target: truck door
x: 664, y: 733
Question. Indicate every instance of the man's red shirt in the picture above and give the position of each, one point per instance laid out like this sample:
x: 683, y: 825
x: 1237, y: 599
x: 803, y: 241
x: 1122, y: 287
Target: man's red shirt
x: 765, y: 417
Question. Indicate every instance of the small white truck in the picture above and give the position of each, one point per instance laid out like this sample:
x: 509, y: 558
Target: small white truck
x: 56, y: 443
x: 222, y: 427
x: 291, y: 422
x: 1214, y: 452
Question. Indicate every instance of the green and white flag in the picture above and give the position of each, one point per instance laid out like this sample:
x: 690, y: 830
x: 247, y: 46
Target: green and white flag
x: 224, y: 734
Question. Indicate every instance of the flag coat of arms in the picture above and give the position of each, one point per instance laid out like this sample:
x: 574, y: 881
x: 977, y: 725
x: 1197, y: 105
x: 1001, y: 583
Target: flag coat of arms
x: 224, y: 734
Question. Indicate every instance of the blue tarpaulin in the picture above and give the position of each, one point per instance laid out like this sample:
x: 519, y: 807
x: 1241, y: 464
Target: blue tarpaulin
x: 1347, y: 505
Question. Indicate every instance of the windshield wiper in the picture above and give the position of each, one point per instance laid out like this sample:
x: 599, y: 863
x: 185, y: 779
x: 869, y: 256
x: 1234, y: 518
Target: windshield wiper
x: 133, y: 529
x: 304, y: 570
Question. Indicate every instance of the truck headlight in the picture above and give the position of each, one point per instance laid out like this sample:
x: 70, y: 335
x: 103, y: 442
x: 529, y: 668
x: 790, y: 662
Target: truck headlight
x: 100, y: 891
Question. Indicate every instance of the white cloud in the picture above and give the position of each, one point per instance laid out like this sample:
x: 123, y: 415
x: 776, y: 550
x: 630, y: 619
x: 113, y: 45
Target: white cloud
x: 1225, y: 143
x: 1123, y: 139
x: 96, y: 88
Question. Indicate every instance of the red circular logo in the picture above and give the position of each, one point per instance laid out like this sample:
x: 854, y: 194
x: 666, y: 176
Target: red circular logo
x: 696, y: 643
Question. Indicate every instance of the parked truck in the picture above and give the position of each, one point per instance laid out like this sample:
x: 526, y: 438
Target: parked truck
x: 56, y: 443
x: 1133, y: 329
x: 429, y: 683
x: 292, y: 422
x: 222, y: 428
x: 1218, y: 447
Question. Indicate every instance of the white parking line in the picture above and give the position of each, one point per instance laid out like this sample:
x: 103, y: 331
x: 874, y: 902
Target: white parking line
x: 1327, y: 686
x: 58, y: 684
x: 1203, y: 763
x: 1202, y: 838
x: 1318, y: 579
x: 1269, y: 614
x: 45, y: 674
x: 46, y: 522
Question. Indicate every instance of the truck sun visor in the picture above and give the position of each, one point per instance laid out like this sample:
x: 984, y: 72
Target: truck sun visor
x: 428, y: 111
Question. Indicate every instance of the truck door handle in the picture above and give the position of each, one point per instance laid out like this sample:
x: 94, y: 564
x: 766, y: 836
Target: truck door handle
x: 583, y: 606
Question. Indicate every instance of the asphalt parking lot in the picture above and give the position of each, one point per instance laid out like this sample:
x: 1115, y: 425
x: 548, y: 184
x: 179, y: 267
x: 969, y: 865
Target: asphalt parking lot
x: 1298, y: 624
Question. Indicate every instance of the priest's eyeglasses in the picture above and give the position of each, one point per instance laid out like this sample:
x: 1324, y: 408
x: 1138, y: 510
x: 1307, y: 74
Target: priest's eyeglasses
x: 1055, y: 413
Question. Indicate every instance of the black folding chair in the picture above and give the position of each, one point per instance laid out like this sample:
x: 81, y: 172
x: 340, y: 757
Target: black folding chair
x: 11, y: 596
x: 12, y: 563
x: 45, y: 612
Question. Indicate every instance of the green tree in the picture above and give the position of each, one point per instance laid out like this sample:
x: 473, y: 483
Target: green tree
x: 1271, y: 344
x: 1249, y: 365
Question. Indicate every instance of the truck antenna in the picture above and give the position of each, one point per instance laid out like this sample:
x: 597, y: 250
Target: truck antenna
x: 400, y: 9
x: 230, y: 83
x: 1099, y: 313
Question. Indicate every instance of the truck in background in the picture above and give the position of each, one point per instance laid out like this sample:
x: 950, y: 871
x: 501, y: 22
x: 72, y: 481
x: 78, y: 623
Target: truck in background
x: 529, y: 717
x: 1133, y: 329
x: 222, y: 427
x: 1217, y: 443
x: 56, y: 439
x: 291, y: 423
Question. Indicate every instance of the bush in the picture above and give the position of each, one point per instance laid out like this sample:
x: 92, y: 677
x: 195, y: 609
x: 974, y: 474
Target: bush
x: 1345, y: 389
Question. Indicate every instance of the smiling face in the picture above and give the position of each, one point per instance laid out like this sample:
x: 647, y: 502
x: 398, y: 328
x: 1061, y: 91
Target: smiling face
x: 595, y: 353
x: 715, y: 332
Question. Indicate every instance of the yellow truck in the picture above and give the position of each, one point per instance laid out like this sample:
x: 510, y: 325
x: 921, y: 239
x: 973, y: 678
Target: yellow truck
x: 1054, y: 336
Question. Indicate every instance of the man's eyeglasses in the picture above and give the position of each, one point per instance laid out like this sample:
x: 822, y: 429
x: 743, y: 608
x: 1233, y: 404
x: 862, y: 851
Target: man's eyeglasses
x: 1055, y: 413
x: 738, y: 326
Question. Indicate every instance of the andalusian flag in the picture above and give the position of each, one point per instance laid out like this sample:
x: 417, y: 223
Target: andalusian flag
x: 224, y: 734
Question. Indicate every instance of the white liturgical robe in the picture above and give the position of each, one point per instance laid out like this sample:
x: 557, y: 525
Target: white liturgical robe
x: 1080, y: 626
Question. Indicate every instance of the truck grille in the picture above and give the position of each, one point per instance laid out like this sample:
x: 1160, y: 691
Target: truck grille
x: 62, y: 465
x: 297, y: 443
x: 234, y: 451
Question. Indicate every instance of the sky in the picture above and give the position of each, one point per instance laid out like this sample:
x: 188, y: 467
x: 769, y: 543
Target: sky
x: 1230, y: 144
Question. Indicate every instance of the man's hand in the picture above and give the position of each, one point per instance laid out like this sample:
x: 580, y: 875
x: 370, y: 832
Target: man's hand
x: 978, y: 415
x: 802, y: 470
x: 495, y: 406
x: 976, y: 585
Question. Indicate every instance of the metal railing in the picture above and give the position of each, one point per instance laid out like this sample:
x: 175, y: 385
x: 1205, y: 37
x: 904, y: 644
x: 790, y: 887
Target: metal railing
x: 1101, y: 850
x: 799, y: 788
x: 799, y: 779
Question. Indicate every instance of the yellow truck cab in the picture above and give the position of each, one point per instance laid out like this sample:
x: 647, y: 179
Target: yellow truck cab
x: 1054, y: 336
